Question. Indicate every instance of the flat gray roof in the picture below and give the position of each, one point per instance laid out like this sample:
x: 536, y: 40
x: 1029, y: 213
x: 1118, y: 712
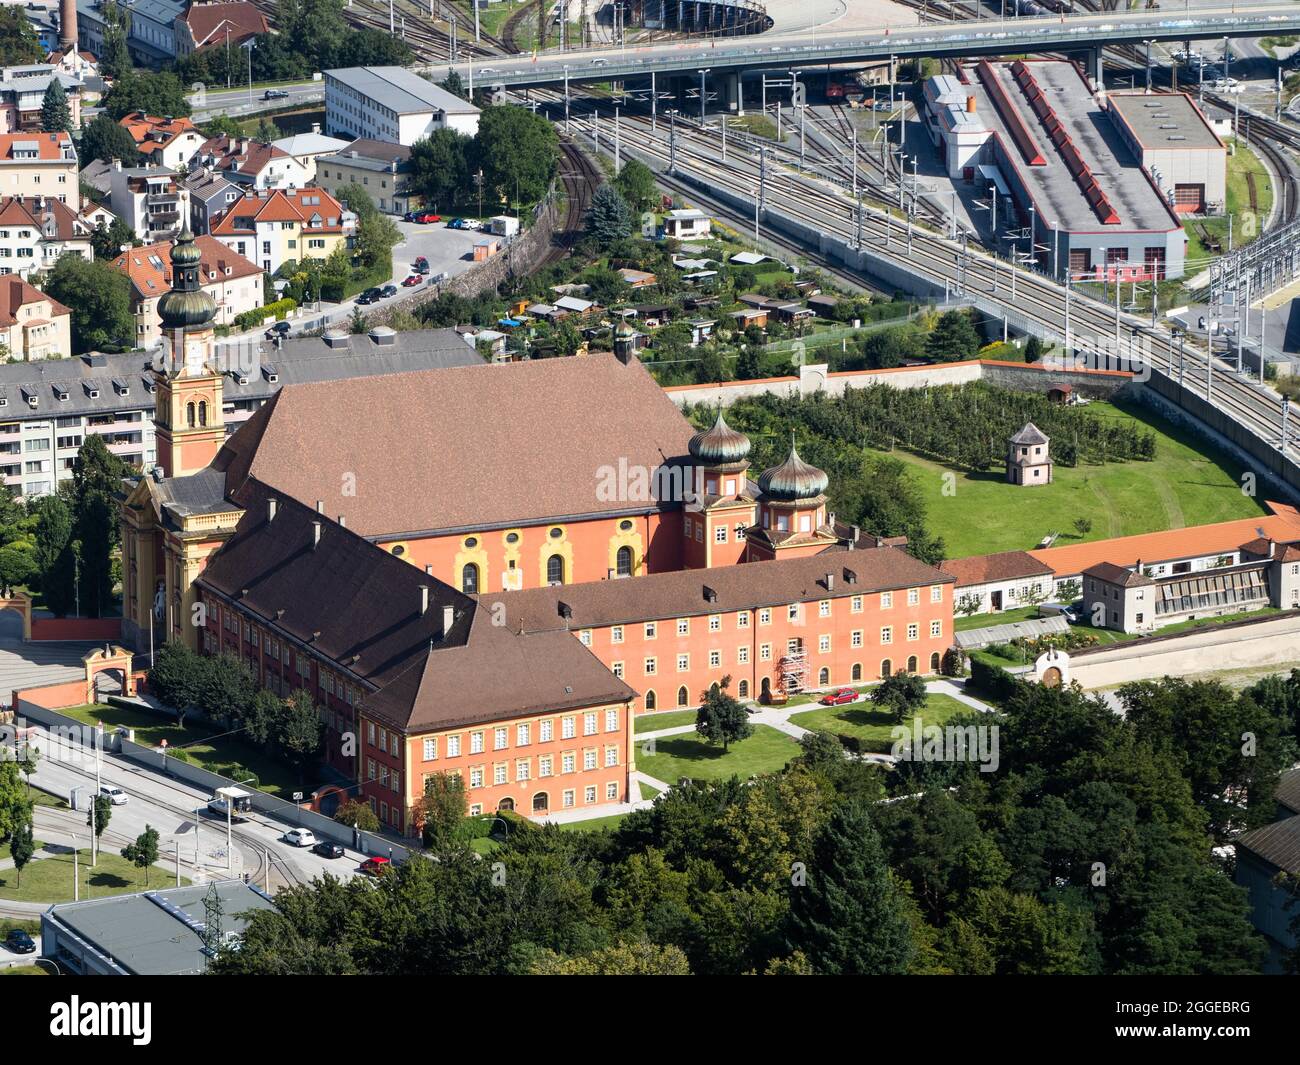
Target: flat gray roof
x: 1164, y: 120
x: 1060, y: 201
x: 157, y: 933
x: 401, y: 90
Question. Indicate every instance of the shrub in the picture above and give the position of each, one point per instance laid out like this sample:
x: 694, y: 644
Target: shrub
x: 993, y: 681
x: 279, y: 310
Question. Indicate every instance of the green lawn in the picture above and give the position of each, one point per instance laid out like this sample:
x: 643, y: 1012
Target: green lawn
x: 151, y: 729
x: 669, y: 719
x: 50, y: 879
x: 593, y: 825
x: 1187, y: 484
x: 1005, y: 617
x: 766, y: 751
x: 865, y: 722
x: 44, y: 798
x: 24, y: 970
x: 648, y: 792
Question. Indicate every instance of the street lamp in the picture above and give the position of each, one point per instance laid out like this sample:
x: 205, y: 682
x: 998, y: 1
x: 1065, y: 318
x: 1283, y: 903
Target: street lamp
x: 250, y: 44
x: 703, y: 94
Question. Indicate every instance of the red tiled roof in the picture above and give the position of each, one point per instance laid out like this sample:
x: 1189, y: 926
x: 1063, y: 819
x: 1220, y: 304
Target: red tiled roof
x: 240, y: 154
x: 211, y: 24
x: 150, y: 267
x: 281, y: 205
x: 50, y: 146
x: 15, y: 293
x: 1003, y: 566
x: 23, y: 211
x: 154, y: 131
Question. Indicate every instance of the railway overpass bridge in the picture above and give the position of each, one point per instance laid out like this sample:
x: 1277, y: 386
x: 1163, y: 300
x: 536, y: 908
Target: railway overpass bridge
x: 731, y: 57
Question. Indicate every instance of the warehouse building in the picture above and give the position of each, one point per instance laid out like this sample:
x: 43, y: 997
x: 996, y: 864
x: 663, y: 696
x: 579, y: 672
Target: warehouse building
x: 1176, y: 146
x: 1070, y: 186
x: 392, y: 104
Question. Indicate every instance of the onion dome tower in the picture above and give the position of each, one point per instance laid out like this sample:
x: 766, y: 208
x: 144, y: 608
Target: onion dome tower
x: 791, y: 510
x: 190, y: 426
x: 720, y: 506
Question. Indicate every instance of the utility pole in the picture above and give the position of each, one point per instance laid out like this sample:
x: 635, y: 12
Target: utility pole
x: 618, y: 144
x: 672, y: 141
x: 703, y: 94
x: 762, y: 187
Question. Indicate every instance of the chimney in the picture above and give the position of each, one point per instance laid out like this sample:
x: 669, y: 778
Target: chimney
x: 424, y: 599
x: 970, y: 105
x: 448, y: 618
x: 315, y: 127
x: 68, y: 25
x: 320, y: 506
x: 853, y: 537
x: 830, y: 582
x: 343, y: 521
x: 315, y: 533
x: 271, y: 505
x: 428, y: 568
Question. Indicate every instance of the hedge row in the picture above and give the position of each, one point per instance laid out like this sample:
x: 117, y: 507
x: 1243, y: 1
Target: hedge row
x: 279, y: 309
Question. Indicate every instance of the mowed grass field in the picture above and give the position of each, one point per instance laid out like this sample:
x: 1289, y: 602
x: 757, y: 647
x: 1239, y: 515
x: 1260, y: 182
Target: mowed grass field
x: 1189, y: 483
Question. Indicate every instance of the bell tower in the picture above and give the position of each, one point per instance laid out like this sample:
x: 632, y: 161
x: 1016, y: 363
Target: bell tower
x: 188, y: 419
x: 721, y: 507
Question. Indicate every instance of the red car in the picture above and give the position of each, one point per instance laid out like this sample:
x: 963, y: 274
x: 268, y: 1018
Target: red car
x: 373, y: 866
x: 414, y: 279
x: 427, y: 217
x: 839, y: 697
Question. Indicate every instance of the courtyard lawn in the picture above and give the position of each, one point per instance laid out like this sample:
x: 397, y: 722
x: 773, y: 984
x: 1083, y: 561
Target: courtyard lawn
x: 766, y: 751
x: 151, y: 729
x: 657, y: 721
x: 1004, y: 617
x: 648, y: 791
x: 1188, y: 483
x: 872, y: 726
x: 50, y: 879
x: 594, y: 824
x: 24, y: 970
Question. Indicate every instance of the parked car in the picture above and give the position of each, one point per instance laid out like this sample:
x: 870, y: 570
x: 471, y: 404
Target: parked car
x: 373, y: 866
x: 19, y: 942
x: 279, y: 329
x: 300, y: 837
x: 839, y: 697
x: 326, y: 849
x: 371, y: 295
x: 426, y: 217
x: 421, y: 265
x: 275, y: 94
x: 388, y: 290
x: 412, y: 281
x: 113, y: 794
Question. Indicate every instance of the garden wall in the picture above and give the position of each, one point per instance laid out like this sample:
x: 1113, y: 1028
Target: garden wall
x: 77, y: 629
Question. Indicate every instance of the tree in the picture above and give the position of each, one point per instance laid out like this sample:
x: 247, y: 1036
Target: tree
x: 144, y: 851
x: 518, y: 152
x: 1033, y: 349
x: 334, y: 274
x: 262, y: 717
x: 99, y: 815
x: 96, y: 480
x: 22, y: 846
x: 223, y: 125
x: 1082, y: 526
x: 28, y: 757
x: 153, y: 92
x: 177, y: 677
x: 440, y: 167
x: 454, y: 85
x: 267, y: 131
x: 15, y: 806
x: 114, y: 55
x: 636, y: 183
x: 100, y: 299
x: 849, y: 919
x: 901, y: 694
x: 953, y: 337
x: 300, y: 728
x: 108, y: 241
x: 105, y: 140
x: 55, y: 115
x: 441, y: 810
x: 622, y: 959
x: 377, y: 236
x: 18, y: 41
x: 226, y: 688
x: 609, y: 219
x: 357, y: 814
x: 51, y: 554
x: 722, y: 719
x: 17, y: 566
x: 969, y: 604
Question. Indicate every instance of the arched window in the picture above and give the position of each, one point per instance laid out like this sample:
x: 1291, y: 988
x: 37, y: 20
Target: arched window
x: 857, y: 671
x: 911, y: 664
x: 683, y: 696
x: 506, y: 804
x: 189, y: 415
x: 541, y: 802
x: 469, y: 579
x: 623, y: 562
x: 824, y: 677
x: 886, y: 669
x: 651, y: 700
x: 742, y: 689
x: 203, y: 412
x: 555, y: 569
x: 934, y: 662
x: 766, y: 693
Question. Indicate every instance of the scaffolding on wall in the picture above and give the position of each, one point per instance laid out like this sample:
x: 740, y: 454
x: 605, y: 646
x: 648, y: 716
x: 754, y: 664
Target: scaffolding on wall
x: 794, y: 672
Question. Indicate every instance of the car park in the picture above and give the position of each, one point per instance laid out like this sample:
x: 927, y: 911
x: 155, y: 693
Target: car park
x: 19, y: 942
x: 300, y: 837
x: 839, y: 697
x: 374, y: 866
x: 114, y: 794
x: 327, y: 849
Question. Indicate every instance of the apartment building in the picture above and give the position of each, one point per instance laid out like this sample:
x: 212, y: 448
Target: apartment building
x: 150, y: 200
x: 381, y: 168
x: 211, y: 196
x: 151, y: 37
x: 234, y: 283
x: 36, y: 230
x: 307, y: 148
x: 32, y: 325
x: 392, y: 104
x: 251, y: 164
x: 39, y: 164
x: 273, y: 227
x: 163, y: 142
x: 22, y: 93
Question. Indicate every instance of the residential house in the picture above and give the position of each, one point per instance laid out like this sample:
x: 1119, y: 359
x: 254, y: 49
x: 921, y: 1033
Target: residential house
x: 381, y: 168
x: 32, y: 325
x: 251, y: 164
x: 234, y: 283
x: 150, y: 200
x: 218, y: 24
x: 39, y: 164
x: 687, y: 224
x: 22, y: 93
x: 211, y: 196
x: 997, y: 582
x: 36, y: 230
x: 307, y: 148
x: 277, y: 226
x: 166, y: 142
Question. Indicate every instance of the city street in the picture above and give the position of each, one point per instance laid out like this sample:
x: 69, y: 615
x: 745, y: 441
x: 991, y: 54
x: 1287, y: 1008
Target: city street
x: 215, y: 101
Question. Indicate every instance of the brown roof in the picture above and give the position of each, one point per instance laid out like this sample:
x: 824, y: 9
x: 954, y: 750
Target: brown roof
x: 462, y: 447
x: 312, y: 207
x: 1002, y: 566
x: 15, y: 293
x: 358, y: 606
x: 1277, y: 844
x: 1119, y: 575
x: 211, y: 23
x: 23, y: 211
x: 49, y: 146
x: 1288, y: 791
x: 743, y: 587
x: 150, y: 267
x: 240, y: 155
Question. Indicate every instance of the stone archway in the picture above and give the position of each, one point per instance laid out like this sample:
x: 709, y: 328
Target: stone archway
x: 110, y: 659
x: 22, y: 605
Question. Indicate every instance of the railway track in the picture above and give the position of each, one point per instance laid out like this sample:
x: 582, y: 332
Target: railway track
x: 580, y: 177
